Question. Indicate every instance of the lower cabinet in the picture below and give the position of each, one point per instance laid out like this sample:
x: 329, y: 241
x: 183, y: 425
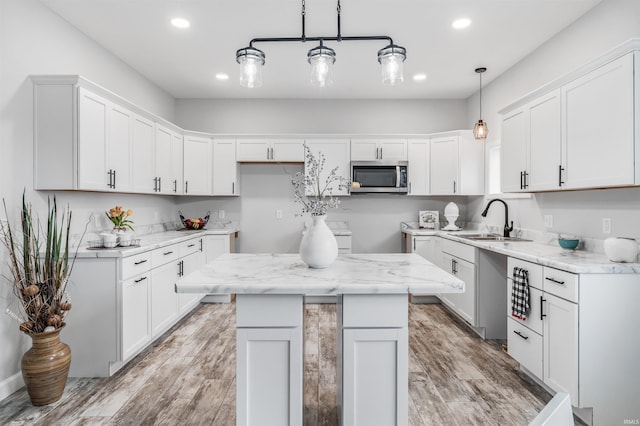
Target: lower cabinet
x: 459, y: 260
x: 121, y: 304
x: 560, y: 342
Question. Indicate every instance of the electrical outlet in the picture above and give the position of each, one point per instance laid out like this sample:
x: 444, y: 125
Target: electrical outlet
x: 548, y: 221
x: 278, y: 214
x: 606, y: 225
x: 96, y: 219
x: 220, y: 214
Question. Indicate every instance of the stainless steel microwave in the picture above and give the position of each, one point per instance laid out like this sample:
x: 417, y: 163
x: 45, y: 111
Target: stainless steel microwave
x: 379, y: 176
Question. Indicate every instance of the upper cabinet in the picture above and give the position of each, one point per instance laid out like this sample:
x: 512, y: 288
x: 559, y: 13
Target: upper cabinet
x: 225, y: 168
x: 143, y: 149
x: 197, y: 165
x: 336, y: 153
x: 378, y: 149
x: 456, y: 164
x: 168, y: 161
x: 577, y: 132
x: 270, y: 150
x: 418, y: 167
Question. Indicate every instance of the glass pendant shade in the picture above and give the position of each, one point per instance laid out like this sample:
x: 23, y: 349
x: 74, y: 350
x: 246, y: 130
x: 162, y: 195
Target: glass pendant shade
x: 251, y: 61
x: 391, y: 60
x: 321, y: 59
x: 480, y: 130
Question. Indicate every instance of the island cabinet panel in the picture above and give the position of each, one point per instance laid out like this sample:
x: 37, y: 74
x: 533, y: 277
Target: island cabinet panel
x: 269, y: 372
x: 373, y: 366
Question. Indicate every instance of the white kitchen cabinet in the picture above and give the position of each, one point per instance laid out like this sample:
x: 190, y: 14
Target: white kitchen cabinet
x: 197, y: 165
x: 216, y: 245
x: 136, y: 314
x: 337, y: 154
x: 93, y: 141
x: 532, y: 146
x: 268, y: 150
x: 190, y: 263
x: 164, y: 299
x: 168, y: 160
x: 463, y: 303
x: 119, y: 150
x: 225, y: 168
x: 418, y: 168
x: 598, y: 117
x: 560, y: 345
x: 425, y: 245
x: 379, y: 149
x: 143, y: 151
x: 456, y: 164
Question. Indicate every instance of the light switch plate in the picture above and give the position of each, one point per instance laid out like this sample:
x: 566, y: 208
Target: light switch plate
x: 548, y: 221
x: 606, y: 225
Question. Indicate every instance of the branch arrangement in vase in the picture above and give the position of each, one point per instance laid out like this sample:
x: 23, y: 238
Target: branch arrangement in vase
x: 321, y: 191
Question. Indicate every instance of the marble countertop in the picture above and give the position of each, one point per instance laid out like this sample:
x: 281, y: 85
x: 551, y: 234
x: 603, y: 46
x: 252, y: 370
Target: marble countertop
x: 152, y: 241
x: 349, y: 274
x: 576, y: 261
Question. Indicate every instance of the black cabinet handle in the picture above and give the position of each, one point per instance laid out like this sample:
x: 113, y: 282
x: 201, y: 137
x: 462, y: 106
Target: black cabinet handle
x: 560, y: 170
x: 191, y: 245
x: 521, y: 335
x: 521, y: 180
x: 168, y: 253
x: 542, y: 314
x: 454, y: 186
x: 114, y: 179
x: 553, y: 280
x: 140, y: 279
x: 159, y: 184
x: 186, y: 187
x: 140, y: 262
x: 526, y: 184
x: 200, y: 244
x: 233, y: 188
x: 175, y: 185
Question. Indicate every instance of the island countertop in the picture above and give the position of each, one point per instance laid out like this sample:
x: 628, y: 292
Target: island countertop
x: 349, y: 274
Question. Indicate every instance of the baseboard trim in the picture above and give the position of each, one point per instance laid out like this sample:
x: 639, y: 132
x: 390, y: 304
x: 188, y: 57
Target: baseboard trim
x: 10, y: 385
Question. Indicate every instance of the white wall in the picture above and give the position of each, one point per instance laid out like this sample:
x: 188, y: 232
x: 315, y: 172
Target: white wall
x: 33, y: 40
x: 374, y: 220
x: 605, y: 26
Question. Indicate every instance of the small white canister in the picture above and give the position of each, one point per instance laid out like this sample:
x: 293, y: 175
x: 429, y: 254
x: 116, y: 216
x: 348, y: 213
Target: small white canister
x: 620, y: 249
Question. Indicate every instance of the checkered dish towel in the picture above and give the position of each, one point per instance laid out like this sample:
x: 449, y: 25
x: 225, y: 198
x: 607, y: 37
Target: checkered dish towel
x: 520, y: 293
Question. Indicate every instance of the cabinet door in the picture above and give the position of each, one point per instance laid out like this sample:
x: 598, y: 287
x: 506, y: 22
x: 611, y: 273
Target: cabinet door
x: 197, y: 165
x: 225, y: 170
x: 93, y: 111
x: 393, y: 150
x: 545, y: 143
x: 337, y: 154
x: 143, y: 154
x: 426, y: 246
x: 560, y: 339
x: 444, y: 166
x: 464, y: 304
x: 364, y: 150
x: 253, y: 150
x: 375, y: 390
x: 598, y: 127
x: 177, y: 186
x: 216, y: 245
x: 418, y: 169
x: 513, y: 151
x: 119, y: 147
x: 136, y: 319
x: 164, y: 160
x: 164, y: 299
x: 287, y: 150
x: 190, y: 263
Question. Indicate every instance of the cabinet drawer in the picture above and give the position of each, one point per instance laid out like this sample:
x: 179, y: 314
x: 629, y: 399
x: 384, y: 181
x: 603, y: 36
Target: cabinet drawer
x: 460, y: 250
x: 533, y: 320
x: 535, y: 271
x: 190, y: 247
x: 134, y: 265
x: 561, y: 283
x: 525, y: 346
x: 165, y: 255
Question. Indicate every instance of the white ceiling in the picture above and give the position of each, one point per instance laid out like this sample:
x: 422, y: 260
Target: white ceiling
x: 184, y: 62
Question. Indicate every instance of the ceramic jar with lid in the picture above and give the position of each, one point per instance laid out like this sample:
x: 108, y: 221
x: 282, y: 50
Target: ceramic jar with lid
x: 620, y: 249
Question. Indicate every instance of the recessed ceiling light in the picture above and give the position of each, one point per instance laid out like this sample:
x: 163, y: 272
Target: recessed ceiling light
x: 222, y: 76
x: 461, y: 23
x: 180, y: 23
x: 419, y: 77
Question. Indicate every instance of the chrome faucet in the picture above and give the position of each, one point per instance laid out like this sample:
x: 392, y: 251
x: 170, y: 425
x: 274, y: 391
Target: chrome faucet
x: 507, y: 228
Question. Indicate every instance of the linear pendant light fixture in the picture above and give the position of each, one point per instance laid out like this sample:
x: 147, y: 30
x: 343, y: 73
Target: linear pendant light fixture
x: 480, y: 130
x: 321, y: 58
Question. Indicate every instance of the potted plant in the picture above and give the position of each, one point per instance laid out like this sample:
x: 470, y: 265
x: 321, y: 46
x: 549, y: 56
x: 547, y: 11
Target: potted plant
x: 119, y: 217
x: 40, y: 265
x: 318, y: 248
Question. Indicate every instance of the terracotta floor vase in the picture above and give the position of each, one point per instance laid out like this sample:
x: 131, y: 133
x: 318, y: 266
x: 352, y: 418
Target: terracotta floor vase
x: 45, y: 367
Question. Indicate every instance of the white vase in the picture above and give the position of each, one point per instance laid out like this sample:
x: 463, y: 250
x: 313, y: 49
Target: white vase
x: 318, y: 248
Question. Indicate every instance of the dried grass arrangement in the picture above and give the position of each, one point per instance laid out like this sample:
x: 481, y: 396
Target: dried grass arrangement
x: 40, y: 264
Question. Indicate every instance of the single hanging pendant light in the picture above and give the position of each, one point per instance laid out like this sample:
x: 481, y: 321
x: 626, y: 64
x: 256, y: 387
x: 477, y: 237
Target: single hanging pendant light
x: 391, y: 60
x: 251, y: 61
x: 480, y: 130
x: 321, y: 59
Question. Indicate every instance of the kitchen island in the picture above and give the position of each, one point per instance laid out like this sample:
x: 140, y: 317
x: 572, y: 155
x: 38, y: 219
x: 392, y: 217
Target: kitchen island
x: 372, y: 335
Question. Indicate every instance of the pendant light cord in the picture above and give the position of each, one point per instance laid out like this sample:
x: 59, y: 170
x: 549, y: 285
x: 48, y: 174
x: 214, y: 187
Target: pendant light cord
x: 480, y: 96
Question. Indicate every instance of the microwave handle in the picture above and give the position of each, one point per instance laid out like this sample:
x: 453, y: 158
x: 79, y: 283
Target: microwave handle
x: 397, y: 176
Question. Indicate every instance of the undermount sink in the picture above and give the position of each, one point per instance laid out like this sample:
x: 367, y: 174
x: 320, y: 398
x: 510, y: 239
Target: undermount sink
x: 491, y: 237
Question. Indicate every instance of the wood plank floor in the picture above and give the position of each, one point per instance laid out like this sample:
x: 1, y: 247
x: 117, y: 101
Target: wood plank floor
x: 188, y: 377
